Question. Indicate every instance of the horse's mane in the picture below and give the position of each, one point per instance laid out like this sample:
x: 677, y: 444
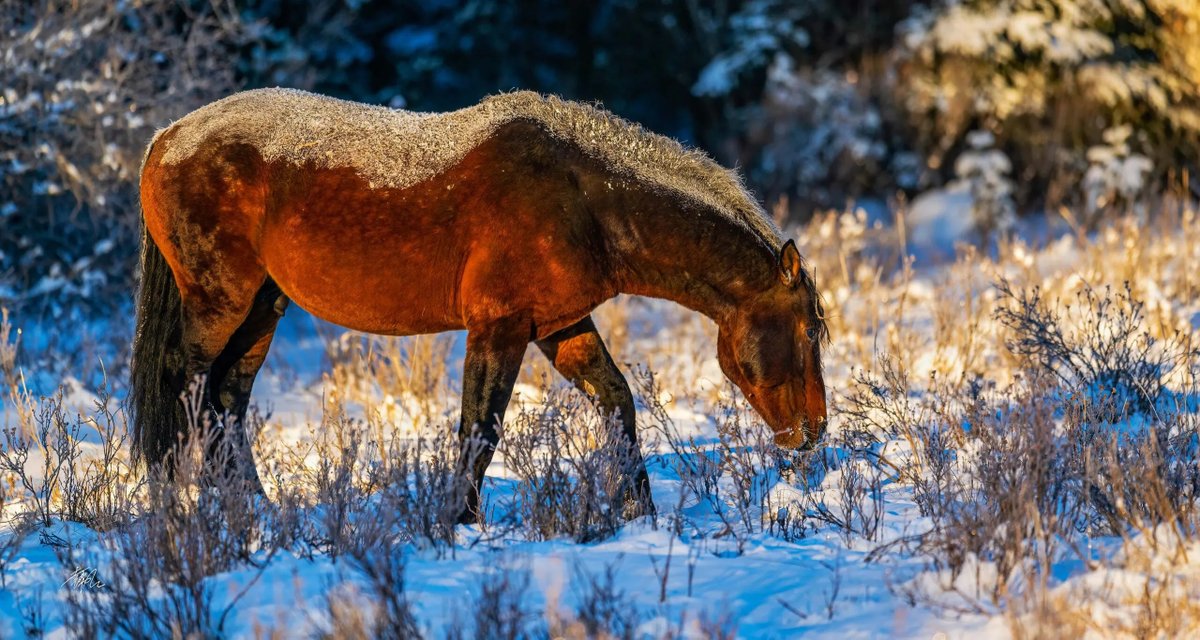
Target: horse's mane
x: 397, y: 149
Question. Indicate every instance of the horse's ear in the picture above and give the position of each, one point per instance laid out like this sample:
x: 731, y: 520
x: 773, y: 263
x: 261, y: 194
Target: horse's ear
x: 790, y: 263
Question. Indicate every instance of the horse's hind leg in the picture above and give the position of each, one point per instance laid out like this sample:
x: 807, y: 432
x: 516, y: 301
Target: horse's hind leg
x: 212, y: 312
x: 494, y: 354
x: 579, y: 354
x: 233, y: 374
x: 203, y: 214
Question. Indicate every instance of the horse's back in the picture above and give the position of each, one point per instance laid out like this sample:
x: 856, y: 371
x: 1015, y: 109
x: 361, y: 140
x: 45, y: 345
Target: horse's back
x: 387, y: 147
x: 383, y: 221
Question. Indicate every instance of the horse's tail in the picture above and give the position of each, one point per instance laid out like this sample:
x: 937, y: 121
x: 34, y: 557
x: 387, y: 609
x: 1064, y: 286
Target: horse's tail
x: 153, y: 397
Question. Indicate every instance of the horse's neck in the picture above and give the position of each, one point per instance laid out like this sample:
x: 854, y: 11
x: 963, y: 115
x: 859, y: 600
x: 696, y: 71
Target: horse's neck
x: 677, y: 250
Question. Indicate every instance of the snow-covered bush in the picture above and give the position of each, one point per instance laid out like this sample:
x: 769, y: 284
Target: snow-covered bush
x: 759, y: 32
x: 1116, y: 176
x: 83, y: 85
x: 986, y: 170
x: 814, y: 138
x: 972, y: 208
x: 796, y: 83
x: 1048, y: 77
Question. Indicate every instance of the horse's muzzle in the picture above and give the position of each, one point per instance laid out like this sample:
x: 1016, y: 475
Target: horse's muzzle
x: 802, y: 437
x: 811, y: 441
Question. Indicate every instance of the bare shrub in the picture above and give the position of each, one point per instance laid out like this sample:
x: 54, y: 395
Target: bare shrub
x: 11, y: 540
x: 1000, y: 485
x: 107, y: 493
x: 1142, y: 486
x: 33, y: 614
x: 497, y: 609
x: 745, y: 455
x: 603, y: 611
x: 574, y: 468
x: 390, y: 614
x: 1014, y: 481
x: 422, y: 489
x: 62, y: 475
x: 1146, y: 480
x: 358, y: 493
x: 341, y: 484
x: 855, y: 504
x: 753, y: 471
x: 37, y: 461
x: 1099, y: 346
x: 196, y: 525
x: 698, y: 471
x: 738, y: 476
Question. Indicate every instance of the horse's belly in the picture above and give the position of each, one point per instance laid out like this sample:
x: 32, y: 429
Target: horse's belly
x: 357, y: 297
x: 385, y: 279
x: 388, y: 309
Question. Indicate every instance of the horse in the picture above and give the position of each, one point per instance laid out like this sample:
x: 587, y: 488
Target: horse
x: 512, y: 219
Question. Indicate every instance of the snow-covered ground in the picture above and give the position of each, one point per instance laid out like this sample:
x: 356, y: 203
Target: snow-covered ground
x: 689, y: 564
x: 821, y: 585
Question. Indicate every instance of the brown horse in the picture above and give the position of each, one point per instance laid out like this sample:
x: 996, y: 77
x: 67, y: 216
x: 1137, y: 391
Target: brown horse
x: 512, y: 219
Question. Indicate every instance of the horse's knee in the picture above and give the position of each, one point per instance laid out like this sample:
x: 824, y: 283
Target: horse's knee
x: 234, y: 393
x: 612, y: 391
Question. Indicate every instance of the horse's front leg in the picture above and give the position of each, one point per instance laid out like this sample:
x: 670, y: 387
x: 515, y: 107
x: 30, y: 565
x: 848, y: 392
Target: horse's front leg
x: 494, y: 354
x: 579, y: 354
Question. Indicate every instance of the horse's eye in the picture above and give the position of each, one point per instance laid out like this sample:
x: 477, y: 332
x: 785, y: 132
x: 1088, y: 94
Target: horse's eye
x: 811, y: 332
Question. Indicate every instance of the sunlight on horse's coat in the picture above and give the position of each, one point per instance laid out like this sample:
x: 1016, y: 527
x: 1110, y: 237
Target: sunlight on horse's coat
x: 397, y: 149
x: 513, y: 219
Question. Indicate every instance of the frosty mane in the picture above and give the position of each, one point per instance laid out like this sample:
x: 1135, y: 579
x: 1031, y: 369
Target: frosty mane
x: 398, y: 149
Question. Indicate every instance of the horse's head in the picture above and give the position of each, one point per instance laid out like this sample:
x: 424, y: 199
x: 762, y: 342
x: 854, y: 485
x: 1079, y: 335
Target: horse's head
x: 771, y: 349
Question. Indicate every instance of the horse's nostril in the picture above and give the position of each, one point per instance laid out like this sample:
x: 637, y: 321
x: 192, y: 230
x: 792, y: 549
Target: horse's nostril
x: 811, y: 438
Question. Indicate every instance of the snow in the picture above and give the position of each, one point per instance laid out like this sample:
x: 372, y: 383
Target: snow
x: 758, y: 38
x: 830, y: 589
x: 997, y: 30
x: 939, y: 219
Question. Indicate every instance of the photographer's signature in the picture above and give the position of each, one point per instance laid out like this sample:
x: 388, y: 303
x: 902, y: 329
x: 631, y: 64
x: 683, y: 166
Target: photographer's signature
x: 85, y: 578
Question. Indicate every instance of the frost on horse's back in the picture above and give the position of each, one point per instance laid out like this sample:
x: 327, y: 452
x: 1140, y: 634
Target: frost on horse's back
x: 397, y: 149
